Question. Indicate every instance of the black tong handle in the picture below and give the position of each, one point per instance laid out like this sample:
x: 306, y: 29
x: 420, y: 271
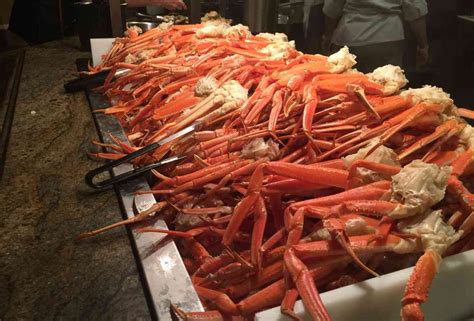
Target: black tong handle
x: 89, y: 81
x: 130, y: 174
x: 111, y: 165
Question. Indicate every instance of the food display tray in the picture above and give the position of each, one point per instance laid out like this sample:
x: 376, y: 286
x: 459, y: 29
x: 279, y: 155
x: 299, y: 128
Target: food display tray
x: 451, y: 296
x: 163, y: 273
x: 166, y: 280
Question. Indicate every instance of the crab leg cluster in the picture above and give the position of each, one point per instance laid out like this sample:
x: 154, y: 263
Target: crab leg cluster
x: 306, y: 174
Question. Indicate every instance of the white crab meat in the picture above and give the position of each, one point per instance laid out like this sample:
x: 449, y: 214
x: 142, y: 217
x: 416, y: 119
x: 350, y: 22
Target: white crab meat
x: 357, y: 226
x: 237, y: 32
x: 233, y: 92
x: 342, y: 60
x: 137, y: 29
x: 185, y: 222
x: 320, y: 234
x: 221, y: 28
x: 229, y: 96
x: 434, y: 233
x: 131, y: 59
x: 417, y: 187
x: 226, y: 98
x: 259, y: 148
x: 466, y: 138
x: 382, y: 155
x: 274, y: 37
x: 175, y: 19
x: 211, y: 15
x: 428, y: 94
x: 140, y: 56
x: 165, y: 25
x: 278, y: 50
x: 212, y: 29
x: 146, y: 54
x: 389, y: 76
x: 406, y: 246
x: 205, y: 86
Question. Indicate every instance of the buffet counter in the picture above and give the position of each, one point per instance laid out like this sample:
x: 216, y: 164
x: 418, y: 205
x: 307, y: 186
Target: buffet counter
x: 44, y: 273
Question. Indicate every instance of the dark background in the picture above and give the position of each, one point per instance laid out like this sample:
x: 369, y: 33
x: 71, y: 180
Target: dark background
x: 451, y: 38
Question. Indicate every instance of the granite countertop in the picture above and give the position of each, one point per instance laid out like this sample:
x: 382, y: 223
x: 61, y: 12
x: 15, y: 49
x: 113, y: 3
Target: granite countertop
x: 44, y: 273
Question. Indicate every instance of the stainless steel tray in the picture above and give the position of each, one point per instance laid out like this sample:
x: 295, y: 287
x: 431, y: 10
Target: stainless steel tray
x: 162, y: 270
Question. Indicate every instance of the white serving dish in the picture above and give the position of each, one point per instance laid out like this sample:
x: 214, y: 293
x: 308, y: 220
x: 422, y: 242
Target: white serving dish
x: 378, y: 299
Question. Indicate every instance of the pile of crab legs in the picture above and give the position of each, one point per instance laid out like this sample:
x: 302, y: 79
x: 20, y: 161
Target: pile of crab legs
x: 320, y: 178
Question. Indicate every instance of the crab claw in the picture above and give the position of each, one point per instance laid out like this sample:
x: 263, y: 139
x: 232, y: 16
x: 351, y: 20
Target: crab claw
x: 359, y: 92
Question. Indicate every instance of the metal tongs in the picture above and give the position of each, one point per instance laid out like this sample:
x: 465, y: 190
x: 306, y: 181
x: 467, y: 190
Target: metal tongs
x: 155, y: 18
x: 92, y: 81
x: 101, y: 185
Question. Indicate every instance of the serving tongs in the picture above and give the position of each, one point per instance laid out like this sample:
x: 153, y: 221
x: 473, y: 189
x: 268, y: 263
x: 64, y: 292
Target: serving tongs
x: 91, y: 81
x: 107, y: 183
x: 154, y: 18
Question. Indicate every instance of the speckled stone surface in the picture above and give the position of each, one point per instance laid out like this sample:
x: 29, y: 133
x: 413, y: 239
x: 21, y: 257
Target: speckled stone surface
x: 44, y: 273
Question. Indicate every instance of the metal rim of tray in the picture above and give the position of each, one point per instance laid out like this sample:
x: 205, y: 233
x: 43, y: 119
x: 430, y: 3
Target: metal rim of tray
x: 162, y: 271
